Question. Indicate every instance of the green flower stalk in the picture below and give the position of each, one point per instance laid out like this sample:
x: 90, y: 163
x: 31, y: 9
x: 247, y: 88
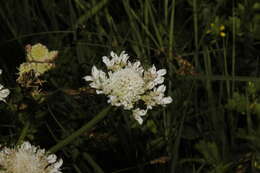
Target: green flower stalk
x: 88, y: 126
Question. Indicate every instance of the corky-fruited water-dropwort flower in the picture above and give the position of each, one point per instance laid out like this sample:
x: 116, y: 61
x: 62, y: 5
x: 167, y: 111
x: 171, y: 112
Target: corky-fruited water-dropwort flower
x: 128, y: 84
x: 27, y: 158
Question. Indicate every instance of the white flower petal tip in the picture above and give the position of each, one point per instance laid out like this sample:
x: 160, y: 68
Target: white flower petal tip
x: 94, y: 71
x: 58, y: 164
x: 161, y: 72
x: 128, y: 84
x: 88, y: 78
x: 161, y: 88
x: 27, y: 158
x: 138, y: 113
x: 106, y: 61
x: 4, y: 92
x: 167, y: 100
x: 139, y: 119
x: 52, y: 158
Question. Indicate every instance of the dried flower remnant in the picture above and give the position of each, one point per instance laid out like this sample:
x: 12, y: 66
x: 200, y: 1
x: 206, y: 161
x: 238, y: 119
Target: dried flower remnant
x: 40, y: 53
x: 27, y: 158
x: 39, y: 61
x: 4, y: 92
x: 160, y: 160
x: 185, y: 67
x: 127, y: 84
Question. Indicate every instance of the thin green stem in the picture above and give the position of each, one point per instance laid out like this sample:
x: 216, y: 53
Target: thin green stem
x: 195, y: 19
x: 23, y: 133
x: 83, y: 129
x: 233, y: 46
x: 96, y: 167
x: 91, y: 12
x: 171, y: 31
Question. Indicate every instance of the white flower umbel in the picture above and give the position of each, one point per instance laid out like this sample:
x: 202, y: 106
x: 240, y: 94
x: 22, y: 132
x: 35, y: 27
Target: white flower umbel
x: 128, y: 84
x: 3, y: 91
x: 27, y: 158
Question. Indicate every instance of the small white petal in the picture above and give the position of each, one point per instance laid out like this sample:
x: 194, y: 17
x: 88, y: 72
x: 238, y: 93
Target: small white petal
x: 150, y: 85
x: 99, y: 92
x: 149, y: 107
x: 88, y: 78
x: 161, y: 72
x: 138, y: 119
x: 95, y: 71
x: 159, y: 80
x: 113, y: 55
x: 4, y: 92
x: 122, y: 54
x: 124, y: 57
x: 161, y: 88
x: 26, y: 145
x: 58, y: 164
x: 106, y: 61
x: 52, y: 158
x: 102, y: 75
x: 137, y: 113
x: 167, y: 100
x: 137, y: 64
x: 153, y: 69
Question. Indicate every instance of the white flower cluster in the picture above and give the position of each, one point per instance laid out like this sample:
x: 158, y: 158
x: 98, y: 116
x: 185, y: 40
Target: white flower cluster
x: 128, y: 84
x: 3, y: 91
x: 27, y: 158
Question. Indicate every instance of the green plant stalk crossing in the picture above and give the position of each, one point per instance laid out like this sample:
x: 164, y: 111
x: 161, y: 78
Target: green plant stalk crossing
x: 83, y: 129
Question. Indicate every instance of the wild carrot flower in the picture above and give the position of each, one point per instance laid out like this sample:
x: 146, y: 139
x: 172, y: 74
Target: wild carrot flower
x: 128, y: 85
x: 27, y: 158
x: 3, y: 91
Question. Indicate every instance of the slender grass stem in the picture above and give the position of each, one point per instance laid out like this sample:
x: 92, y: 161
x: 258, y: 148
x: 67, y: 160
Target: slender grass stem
x: 195, y: 19
x: 233, y: 46
x: 171, y: 30
x: 23, y: 133
x: 91, y: 12
x: 85, y: 128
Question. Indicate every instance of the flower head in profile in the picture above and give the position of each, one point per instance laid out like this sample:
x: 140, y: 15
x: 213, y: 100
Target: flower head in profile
x: 40, y: 53
x: 39, y: 61
x: 129, y: 85
x: 27, y: 158
x: 3, y: 91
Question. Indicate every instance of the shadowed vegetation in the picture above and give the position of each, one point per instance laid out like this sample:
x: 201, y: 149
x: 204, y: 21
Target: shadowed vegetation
x: 210, y: 49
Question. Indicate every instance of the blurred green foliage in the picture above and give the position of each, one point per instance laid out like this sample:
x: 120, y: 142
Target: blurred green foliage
x: 212, y: 124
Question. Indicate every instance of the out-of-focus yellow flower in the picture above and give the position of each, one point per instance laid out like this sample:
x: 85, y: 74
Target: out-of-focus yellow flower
x: 208, y: 31
x: 216, y: 29
x: 222, y: 28
x: 222, y: 34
